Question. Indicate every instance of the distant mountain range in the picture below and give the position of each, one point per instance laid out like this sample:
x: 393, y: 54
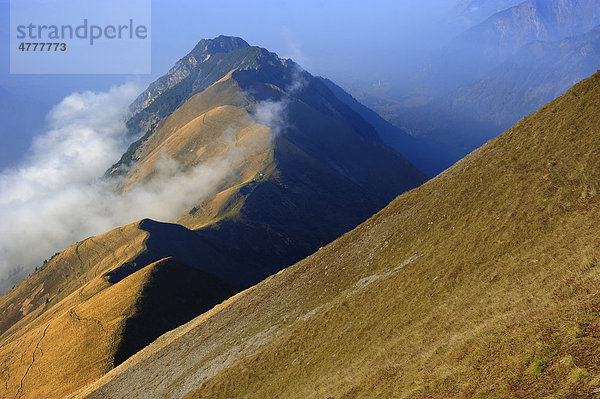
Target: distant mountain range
x: 496, y: 72
x: 467, y: 13
x: 295, y: 167
x: 537, y: 73
x: 481, y: 48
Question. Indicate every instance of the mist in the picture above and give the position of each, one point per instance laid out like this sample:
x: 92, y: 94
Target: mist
x: 58, y: 195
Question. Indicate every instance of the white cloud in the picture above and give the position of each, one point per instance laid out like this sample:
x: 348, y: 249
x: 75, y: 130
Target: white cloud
x: 58, y: 196
x: 271, y: 113
x: 294, y: 50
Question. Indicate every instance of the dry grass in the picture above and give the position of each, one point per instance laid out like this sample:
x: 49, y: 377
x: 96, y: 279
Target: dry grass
x: 73, y: 344
x: 81, y: 339
x: 206, y: 127
x: 500, y: 302
x: 504, y: 291
x: 73, y: 284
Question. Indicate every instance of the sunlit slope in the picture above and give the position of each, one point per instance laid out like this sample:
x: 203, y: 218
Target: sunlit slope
x: 481, y: 283
x: 301, y: 169
x: 81, y: 343
x: 96, y: 303
x: 67, y: 272
x: 210, y: 126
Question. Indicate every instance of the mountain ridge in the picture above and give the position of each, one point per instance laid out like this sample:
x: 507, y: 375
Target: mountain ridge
x: 483, y: 281
x: 288, y: 168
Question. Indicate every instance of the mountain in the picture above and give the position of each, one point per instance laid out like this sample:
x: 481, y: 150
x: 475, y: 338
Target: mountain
x: 481, y: 282
x: 267, y: 165
x: 191, y: 74
x: 303, y: 167
x: 494, y: 73
x: 465, y: 118
x: 481, y: 48
x: 78, y: 335
x: 539, y: 72
x: 510, y: 29
x: 426, y: 156
x: 467, y: 13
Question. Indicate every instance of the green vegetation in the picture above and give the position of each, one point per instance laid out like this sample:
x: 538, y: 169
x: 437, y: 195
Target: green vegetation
x: 537, y: 367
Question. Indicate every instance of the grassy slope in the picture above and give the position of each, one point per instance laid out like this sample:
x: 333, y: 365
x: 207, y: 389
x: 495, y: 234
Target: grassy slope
x: 81, y: 342
x: 197, y: 132
x: 285, y: 198
x: 86, y: 276
x: 481, y: 283
x: 65, y: 273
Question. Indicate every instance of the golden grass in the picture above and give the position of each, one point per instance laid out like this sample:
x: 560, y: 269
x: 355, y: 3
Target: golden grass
x: 504, y: 290
x: 212, y: 125
x: 72, y: 285
x: 481, y: 283
x: 207, y: 127
x: 64, y: 338
x: 73, y: 269
x: 72, y: 346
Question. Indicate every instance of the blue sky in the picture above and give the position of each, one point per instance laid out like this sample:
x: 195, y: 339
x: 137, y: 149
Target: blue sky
x: 346, y: 41
x: 340, y: 39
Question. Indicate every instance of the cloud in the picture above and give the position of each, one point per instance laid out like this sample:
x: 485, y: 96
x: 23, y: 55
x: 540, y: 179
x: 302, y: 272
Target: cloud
x: 58, y: 197
x: 271, y: 114
x: 294, y: 50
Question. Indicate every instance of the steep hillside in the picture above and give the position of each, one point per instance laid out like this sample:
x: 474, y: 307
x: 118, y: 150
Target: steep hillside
x: 480, y: 283
x: 429, y: 158
x: 293, y: 166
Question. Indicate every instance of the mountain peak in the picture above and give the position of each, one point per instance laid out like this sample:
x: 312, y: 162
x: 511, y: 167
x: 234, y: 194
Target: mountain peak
x: 220, y: 44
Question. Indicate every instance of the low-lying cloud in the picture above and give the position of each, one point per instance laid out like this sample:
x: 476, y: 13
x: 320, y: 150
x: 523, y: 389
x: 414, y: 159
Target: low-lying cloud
x: 58, y: 196
x: 272, y: 113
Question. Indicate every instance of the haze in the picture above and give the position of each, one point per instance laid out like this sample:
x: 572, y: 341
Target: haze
x: 350, y: 42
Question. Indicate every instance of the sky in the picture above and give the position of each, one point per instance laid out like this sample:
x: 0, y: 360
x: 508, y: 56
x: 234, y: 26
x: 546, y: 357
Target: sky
x: 328, y: 37
x: 339, y: 39
x: 59, y: 133
x: 351, y: 42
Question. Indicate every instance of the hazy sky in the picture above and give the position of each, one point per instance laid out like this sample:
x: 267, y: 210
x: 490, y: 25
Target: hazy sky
x: 347, y: 41
x: 330, y: 37
x: 339, y: 39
